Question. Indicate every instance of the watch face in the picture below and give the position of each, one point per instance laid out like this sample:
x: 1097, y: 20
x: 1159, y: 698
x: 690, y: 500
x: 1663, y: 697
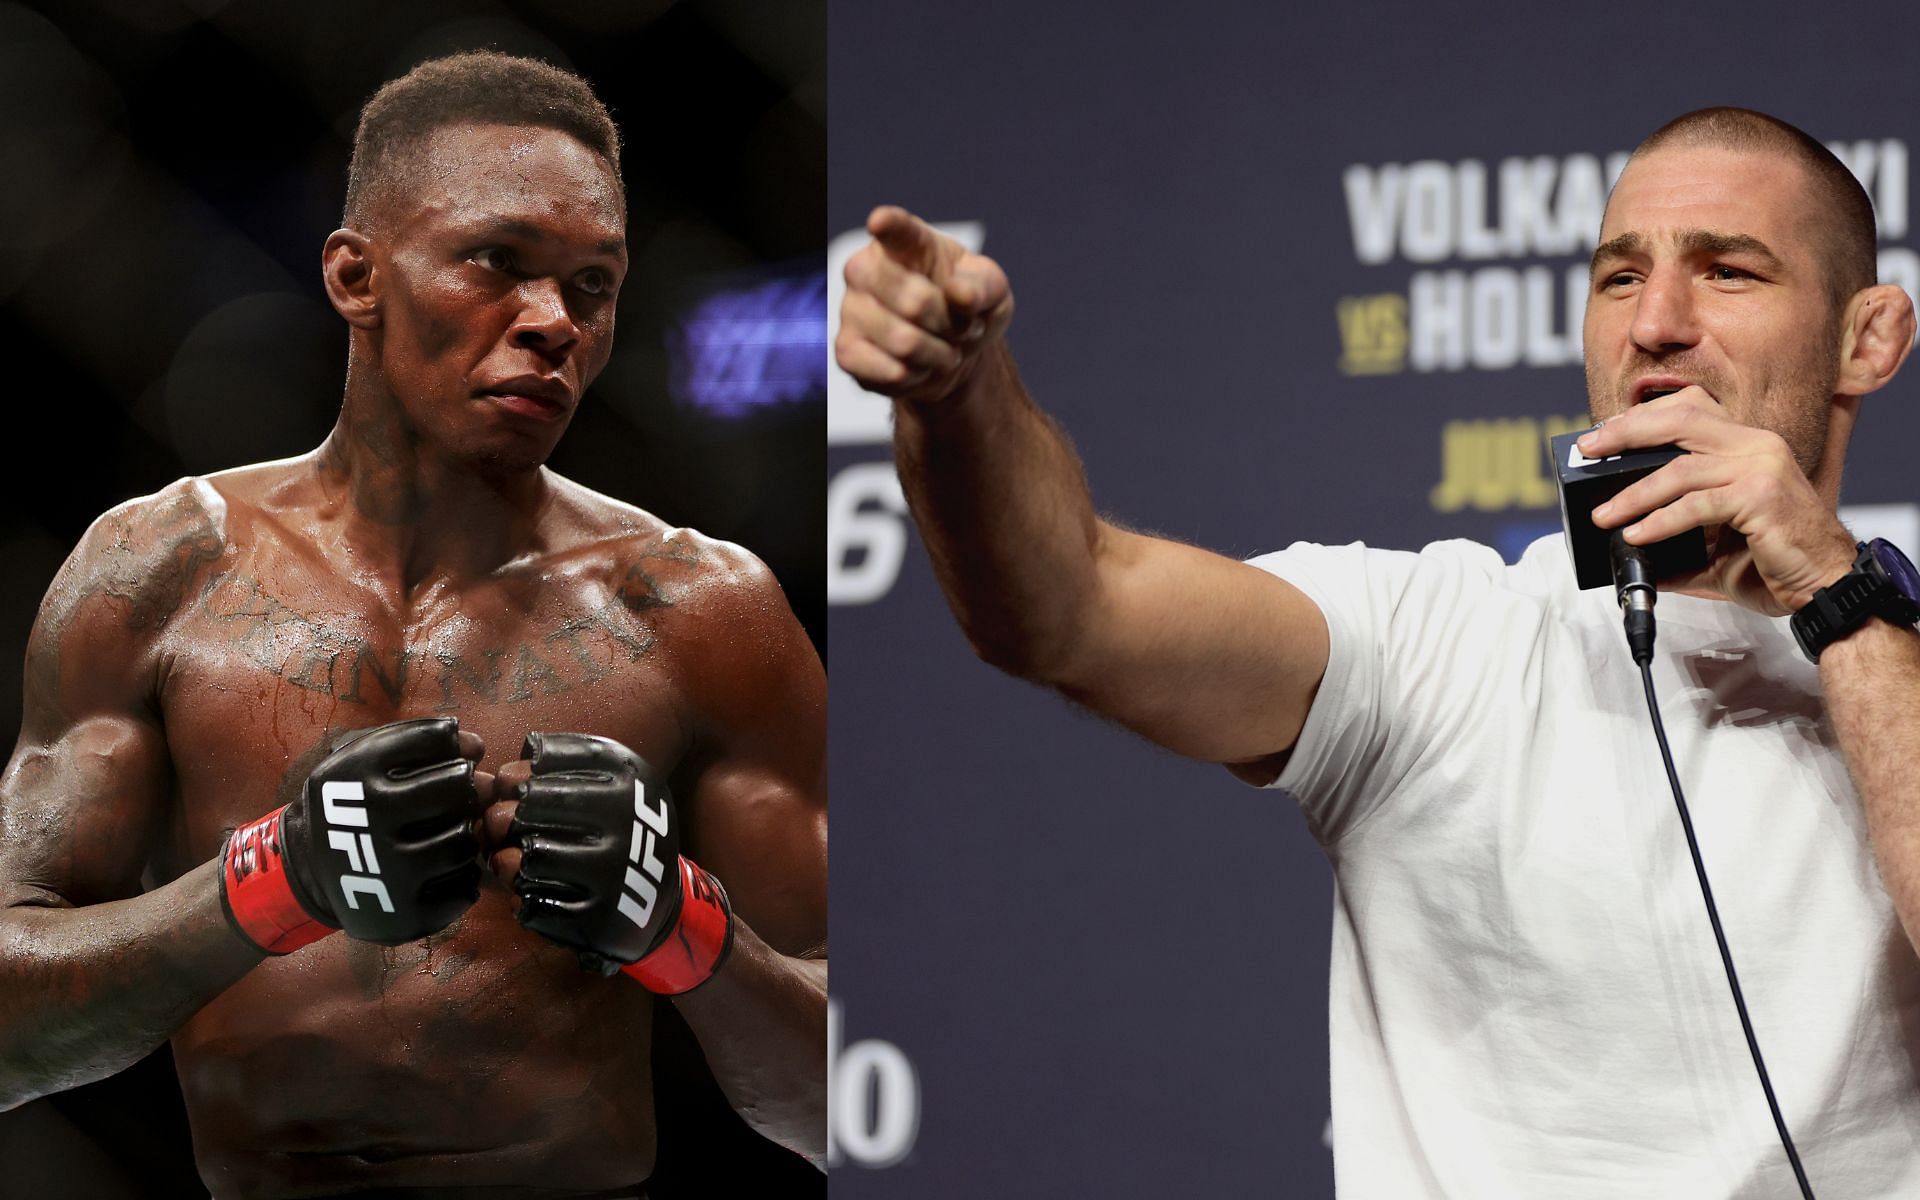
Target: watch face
x: 1897, y: 567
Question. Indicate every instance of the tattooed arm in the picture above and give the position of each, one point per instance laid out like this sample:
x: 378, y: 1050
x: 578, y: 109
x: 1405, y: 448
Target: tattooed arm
x: 757, y: 819
x: 94, y: 975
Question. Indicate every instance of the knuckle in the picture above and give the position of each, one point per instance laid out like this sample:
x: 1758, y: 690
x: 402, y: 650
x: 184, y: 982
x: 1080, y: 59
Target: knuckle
x: 859, y: 268
x: 869, y: 319
x: 1775, y: 449
x: 920, y: 305
x: 901, y: 341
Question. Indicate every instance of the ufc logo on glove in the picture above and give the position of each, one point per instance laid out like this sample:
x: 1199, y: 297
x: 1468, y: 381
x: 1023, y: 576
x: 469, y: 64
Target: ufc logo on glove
x: 642, y: 890
x: 354, y: 815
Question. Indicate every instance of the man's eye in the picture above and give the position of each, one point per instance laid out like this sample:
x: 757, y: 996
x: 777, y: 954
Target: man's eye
x: 1725, y: 273
x: 594, y: 283
x: 1617, y: 279
x: 493, y: 258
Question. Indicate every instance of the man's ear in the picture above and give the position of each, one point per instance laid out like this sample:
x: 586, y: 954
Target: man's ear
x: 1875, y: 336
x: 353, y: 285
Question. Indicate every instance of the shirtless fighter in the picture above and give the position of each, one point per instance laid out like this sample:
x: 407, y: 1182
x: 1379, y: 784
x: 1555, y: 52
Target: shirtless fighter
x: 267, y: 711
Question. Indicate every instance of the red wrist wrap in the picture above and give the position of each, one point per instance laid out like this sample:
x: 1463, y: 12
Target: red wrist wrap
x: 256, y: 894
x: 698, y: 942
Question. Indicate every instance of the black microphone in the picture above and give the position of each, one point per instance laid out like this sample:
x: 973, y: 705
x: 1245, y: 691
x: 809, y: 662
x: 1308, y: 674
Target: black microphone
x: 1633, y: 587
x: 1586, y: 483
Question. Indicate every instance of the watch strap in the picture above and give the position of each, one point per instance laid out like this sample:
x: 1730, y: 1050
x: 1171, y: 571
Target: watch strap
x: 1848, y: 602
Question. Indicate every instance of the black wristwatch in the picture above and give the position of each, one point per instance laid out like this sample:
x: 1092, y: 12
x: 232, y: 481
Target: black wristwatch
x: 1882, y: 584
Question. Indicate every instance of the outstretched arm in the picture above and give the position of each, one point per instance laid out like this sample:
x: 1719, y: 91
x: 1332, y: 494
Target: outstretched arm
x: 1209, y: 657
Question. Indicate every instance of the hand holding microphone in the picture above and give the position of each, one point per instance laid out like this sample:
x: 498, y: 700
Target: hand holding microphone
x: 1777, y: 540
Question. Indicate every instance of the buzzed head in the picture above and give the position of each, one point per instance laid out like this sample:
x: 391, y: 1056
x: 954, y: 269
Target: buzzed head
x: 483, y: 88
x: 1846, y: 231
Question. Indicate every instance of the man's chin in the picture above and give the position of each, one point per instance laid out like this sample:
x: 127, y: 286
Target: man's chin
x: 513, y: 458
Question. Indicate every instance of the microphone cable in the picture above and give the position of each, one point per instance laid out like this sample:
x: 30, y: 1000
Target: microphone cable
x: 1636, y: 593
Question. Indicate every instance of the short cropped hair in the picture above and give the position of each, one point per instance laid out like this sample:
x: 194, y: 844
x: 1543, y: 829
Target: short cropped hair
x: 478, y: 88
x: 1848, y: 231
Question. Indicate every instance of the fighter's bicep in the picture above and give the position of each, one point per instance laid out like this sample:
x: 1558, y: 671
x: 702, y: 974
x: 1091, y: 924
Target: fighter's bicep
x: 766, y: 841
x: 81, y: 796
x: 79, y: 811
x: 758, y: 811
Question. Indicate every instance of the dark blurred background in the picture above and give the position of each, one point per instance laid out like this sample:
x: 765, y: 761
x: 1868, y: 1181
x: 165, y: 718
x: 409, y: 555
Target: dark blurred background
x: 171, y: 168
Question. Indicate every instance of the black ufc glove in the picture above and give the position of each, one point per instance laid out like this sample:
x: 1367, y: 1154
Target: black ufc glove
x: 601, y: 869
x: 380, y: 844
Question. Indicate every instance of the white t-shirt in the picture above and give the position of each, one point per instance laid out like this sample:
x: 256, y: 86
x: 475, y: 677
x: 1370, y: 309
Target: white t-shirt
x: 1526, y: 1000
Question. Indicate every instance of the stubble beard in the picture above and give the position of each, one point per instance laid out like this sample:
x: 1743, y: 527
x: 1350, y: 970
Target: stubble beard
x: 1794, y: 405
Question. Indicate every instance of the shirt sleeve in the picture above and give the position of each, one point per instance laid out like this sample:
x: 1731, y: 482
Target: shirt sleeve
x: 1401, y: 634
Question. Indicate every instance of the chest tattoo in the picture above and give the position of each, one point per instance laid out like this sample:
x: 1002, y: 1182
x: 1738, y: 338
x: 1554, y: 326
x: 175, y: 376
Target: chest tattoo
x: 317, y: 654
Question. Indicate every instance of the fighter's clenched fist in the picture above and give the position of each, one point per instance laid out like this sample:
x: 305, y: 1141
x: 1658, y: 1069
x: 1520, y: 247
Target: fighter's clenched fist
x: 590, y: 839
x: 381, y: 843
x: 919, y: 310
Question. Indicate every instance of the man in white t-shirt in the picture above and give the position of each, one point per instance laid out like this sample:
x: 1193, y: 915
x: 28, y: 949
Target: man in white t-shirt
x: 1526, y: 999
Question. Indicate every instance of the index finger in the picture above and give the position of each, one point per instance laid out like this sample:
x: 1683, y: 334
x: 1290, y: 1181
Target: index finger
x: 497, y: 823
x: 472, y: 745
x: 906, y: 238
x: 1679, y: 419
x: 511, y: 777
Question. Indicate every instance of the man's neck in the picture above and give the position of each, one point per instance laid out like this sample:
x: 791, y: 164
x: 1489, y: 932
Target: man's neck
x: 409, y: 513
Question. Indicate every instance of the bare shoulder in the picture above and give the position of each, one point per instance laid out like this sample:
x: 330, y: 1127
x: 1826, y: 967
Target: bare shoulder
x: 103, y: 616
x: 145, y: 555
x: 653, y: 565
x: 748, y: 675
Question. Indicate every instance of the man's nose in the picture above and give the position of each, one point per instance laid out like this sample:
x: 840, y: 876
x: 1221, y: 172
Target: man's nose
x: 1663, y: 315
x: 544, y: 324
